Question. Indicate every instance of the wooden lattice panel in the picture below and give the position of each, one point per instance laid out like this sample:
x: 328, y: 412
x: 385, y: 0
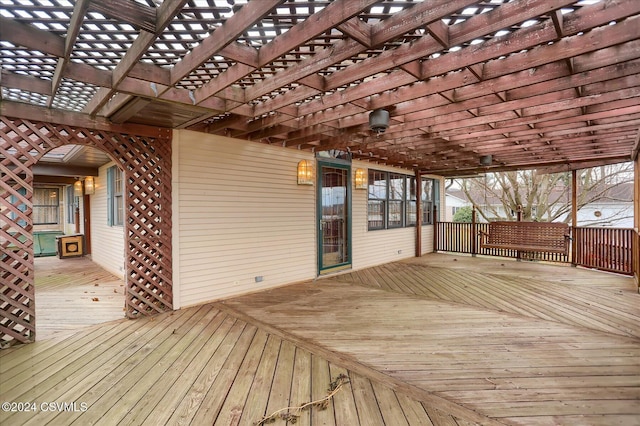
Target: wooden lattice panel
x: 146, y: 163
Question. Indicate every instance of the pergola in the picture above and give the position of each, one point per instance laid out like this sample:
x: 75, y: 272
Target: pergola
x: 531, y: 83
x: 545, y: 84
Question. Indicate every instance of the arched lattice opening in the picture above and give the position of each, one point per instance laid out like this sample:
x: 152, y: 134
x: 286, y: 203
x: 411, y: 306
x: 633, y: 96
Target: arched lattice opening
x: 146, y: 162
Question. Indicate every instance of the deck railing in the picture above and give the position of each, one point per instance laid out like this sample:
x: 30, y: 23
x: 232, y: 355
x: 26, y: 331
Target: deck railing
x: 609, y: 249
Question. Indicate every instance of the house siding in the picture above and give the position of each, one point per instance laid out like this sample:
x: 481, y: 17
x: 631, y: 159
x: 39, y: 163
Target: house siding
x: 384, y: 245
x: 239, y: 214
x: 107, y: 242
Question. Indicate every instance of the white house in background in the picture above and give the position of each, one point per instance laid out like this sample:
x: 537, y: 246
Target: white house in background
x: 615, y: 210
x: 453, y: 203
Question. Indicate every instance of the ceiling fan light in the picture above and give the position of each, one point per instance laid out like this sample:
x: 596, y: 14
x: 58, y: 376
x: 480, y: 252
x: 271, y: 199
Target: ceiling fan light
x: 379, y: 120
x: 486, y: 160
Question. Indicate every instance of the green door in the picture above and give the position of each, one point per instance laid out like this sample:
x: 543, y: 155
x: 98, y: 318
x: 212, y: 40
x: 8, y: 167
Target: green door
x: 334, y: 217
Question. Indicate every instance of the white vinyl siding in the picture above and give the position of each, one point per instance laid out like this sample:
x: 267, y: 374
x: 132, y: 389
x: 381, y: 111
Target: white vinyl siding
x: 107, y: 242
x: 381, y: 246
x: 238, y: 214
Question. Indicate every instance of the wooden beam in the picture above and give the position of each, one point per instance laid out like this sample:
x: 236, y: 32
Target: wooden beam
x: 136, y: 14
x: 30, y: 37
x: 242, y: 53
x: 165, y: 14
x: 466, y: 31
x: 335, y: 13
x: 23, y: 82
x: 558, y: 22
x: 410, y: 19
x: 72, y: 34
x: 152, y: 73
x: 227, y: 33
x: 38, y: 114
x: 127, y: 111
x: 577, y: 166
x: 440, y: 31
x: 62, y: 169
x: 358, y: 30
x: 636, y: 148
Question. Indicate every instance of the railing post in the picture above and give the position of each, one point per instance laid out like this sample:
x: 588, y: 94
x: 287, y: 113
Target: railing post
x: 474, y: 233
x: 519, y: 219
x: 574, y: 218
x: 418, y: 191
x: 435, y: 228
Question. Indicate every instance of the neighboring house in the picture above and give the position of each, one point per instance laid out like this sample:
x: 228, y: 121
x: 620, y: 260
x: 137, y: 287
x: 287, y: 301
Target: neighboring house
x: 613, y: 210
x: 453, y: 203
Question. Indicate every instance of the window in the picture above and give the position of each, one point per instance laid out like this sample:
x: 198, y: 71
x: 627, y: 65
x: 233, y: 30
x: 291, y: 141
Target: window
x: 46, y: 206
x: 393, y: 200
x: 377, y: 199
x: 71, y: 205
x: 427, y: 201
x: 115, y: 197
x: 430, y: 199
x: 396, y: 200
x: 412, y: 213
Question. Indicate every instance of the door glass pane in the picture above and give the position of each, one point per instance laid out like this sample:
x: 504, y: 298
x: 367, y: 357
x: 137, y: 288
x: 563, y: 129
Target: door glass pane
x: 334, y: 238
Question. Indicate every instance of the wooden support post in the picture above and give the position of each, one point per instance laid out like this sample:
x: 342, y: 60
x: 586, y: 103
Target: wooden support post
x: 474, y: 233
x: 635, y: 156
x: 418, y: 214
x: 435, y: 228
x: 574, y: 216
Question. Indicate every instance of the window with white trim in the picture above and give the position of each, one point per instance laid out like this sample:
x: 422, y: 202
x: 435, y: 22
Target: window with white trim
x: 115, y: 196
x: 392, y: 200
x: 46, y: 206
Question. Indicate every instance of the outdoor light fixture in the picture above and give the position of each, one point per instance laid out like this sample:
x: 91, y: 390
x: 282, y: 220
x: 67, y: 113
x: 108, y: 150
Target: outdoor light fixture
x: 77, y: 188
x: 360, y: 179
x: 379, y: 120
x: 89, y: 185
x: 305, y: 172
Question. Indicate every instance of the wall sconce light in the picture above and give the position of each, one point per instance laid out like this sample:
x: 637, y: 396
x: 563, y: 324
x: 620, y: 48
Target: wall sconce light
x: 360, y: 179
x: 89, y: 185
x: 305, y: 172
x: 77, y: 188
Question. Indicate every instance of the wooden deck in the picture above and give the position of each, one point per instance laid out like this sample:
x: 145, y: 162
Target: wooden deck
x: 74, y: 293
x: 440, y: 340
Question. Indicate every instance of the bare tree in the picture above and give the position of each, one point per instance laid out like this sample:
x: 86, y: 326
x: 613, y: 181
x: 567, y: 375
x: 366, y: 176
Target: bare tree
x: 544, y: 197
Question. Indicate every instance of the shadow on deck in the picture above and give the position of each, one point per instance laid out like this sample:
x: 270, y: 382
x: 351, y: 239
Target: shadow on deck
x: 440, y: 340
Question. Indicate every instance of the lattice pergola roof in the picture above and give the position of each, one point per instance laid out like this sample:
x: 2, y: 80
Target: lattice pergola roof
x: 534, y: 83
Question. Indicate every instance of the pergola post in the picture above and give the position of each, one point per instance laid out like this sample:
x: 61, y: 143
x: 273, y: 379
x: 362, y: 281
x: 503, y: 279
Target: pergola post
x: 635, y: 157
x: 574, y: 215
x: 418, y: 214
x: 474, y: 231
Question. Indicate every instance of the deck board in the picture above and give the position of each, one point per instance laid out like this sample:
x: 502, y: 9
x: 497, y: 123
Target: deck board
x: 483, y: 341
x: 74, y: 293
x: 421, y: 343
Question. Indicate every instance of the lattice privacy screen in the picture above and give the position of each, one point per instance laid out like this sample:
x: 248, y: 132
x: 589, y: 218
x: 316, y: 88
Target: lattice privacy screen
x: 146, y: 162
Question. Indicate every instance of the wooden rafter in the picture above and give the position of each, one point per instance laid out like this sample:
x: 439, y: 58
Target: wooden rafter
x: 461, y: 78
